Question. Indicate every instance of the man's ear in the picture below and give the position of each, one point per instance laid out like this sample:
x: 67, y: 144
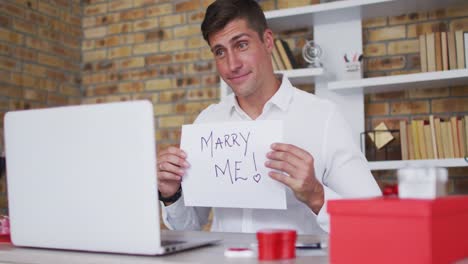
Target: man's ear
x: 269, y: 40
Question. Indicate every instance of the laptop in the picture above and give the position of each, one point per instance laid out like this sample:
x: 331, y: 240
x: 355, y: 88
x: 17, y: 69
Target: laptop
x: 84, y: 178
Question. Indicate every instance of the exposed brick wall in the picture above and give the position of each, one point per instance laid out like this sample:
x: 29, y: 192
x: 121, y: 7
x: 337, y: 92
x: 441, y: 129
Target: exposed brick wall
x: 151, y: 50
x: 40, y: 54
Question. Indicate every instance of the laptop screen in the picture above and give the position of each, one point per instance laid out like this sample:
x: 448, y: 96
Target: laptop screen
x: 84, y: 177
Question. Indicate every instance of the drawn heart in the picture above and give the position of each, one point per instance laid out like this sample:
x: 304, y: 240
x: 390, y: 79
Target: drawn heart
x: 257, y: 177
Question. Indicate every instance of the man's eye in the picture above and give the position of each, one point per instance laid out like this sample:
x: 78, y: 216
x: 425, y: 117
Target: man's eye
x: 243, y: 45
x: 219, y: 53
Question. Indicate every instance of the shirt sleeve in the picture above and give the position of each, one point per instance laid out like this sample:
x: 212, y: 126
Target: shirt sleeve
x: 347, y: 174
x: 177, y: 216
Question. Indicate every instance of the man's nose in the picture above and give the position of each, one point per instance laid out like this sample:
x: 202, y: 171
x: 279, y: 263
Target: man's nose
x: 234, y: 61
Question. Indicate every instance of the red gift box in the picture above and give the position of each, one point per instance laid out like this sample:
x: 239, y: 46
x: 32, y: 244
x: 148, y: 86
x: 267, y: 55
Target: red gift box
x: 392, y: 230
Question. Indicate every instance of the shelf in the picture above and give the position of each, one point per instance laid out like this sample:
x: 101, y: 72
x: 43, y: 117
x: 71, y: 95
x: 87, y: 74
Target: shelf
x: 402, y: 82
x: 302, y: 76
x: 342, y: 11
x: 398, y: 164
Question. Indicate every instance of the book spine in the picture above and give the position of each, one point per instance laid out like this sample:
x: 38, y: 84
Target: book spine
x: 461, y: 138
x: 428, y: 141
x: 438, y: 132
x: 438, y: 51
x: 403, y: 140
x: 444, y: 50
x: 283, y: 56
x: 431, y: 56
x: 409, y: 133
x: 455, y: 142
x: 433, y: 137
x: 460, y: 49
x: 423, y: 52
x: 452, y: 50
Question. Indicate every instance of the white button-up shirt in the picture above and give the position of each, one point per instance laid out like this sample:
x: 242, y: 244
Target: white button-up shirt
x: 310, y: 123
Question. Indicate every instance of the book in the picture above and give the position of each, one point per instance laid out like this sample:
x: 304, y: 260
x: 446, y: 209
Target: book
x: 421, y: 139
x: 439, y: 142
x: 461, y: 138
x: 465, y: 40
x: 284, y: 57
x: 430, y: 48
x: 289, y: 53
x: 277, y: 59
x: 410, y: 141
x: 428, y: 140
x: 423, y: 52
x: 438, y: 51
x: 465, y: 132
x: 444, y: 127
x: 403, y: 140
x: 381, y: 136
x: 444, y: 50
x: 452, y: 50
x: 455, y: 141
x: 449, y: 143
x: 460, y: 49
x: 433, y: 137
x: 414, y: 133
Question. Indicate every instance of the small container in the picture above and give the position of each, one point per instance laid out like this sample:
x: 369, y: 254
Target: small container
x: 353, y: 70
x: 422, y: 183
x: 276, y: 244
x: 4, y: 229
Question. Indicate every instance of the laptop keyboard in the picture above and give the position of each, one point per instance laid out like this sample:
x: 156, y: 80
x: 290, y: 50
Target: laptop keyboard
x: 171, y: 242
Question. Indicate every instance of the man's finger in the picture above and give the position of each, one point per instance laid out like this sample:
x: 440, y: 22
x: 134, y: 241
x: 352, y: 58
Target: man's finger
x: 173, y: 159
x: 296, y: 151
x: 281, y: 166
x: 167, y: 176
x: 175, y: 151
x: 286, y: 157
x: 284, y: 179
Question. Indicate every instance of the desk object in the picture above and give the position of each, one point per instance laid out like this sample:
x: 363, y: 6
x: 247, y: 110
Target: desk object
x: 393, y: 230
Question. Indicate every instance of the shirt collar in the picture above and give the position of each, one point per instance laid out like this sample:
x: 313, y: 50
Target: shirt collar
x: 281, y: 98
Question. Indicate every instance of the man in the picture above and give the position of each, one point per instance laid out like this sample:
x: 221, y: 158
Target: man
x: 318, y: 161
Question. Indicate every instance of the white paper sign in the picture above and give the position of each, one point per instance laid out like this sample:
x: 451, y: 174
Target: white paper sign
x: 227, y: 165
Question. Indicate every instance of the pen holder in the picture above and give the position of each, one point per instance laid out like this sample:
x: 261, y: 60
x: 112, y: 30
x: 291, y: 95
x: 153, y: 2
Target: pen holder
x: 353, y: 70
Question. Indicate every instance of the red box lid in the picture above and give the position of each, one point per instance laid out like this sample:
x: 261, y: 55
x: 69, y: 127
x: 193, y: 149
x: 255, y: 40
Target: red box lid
x: 452, y: 205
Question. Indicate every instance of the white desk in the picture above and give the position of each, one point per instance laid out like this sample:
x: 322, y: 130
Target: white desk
x: 211, y: 254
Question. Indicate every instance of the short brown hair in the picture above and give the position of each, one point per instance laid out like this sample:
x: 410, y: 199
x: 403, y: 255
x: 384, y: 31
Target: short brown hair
x: 221, y: 12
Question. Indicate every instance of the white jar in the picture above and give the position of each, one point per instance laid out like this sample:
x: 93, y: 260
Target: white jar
x: 424, y: 183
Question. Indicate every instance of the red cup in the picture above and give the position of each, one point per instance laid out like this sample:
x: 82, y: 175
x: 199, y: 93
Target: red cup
x: 276, y: 244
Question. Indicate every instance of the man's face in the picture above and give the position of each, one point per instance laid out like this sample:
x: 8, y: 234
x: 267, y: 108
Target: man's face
x: 242, y: 59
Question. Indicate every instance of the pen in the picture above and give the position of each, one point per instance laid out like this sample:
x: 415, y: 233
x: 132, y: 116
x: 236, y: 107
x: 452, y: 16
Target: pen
x: 310, y: 245
x: 299, y: 245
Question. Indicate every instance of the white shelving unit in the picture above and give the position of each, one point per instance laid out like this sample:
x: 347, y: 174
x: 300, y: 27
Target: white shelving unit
x: 402, y: 82
x: 338, y: 30
x: 398, y: 164
x: 340, y: 11
x: 303, y: 76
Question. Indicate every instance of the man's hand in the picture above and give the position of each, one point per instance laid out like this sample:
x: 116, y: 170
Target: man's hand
x: 171, y: 169
x: 299, y: 165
